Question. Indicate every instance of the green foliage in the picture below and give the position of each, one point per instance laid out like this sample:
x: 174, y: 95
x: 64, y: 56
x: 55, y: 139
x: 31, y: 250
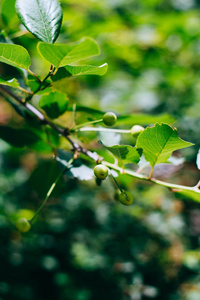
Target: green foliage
x: 42, y: 18
x: 145, y: 119
x: 159, y: 142
x: 83, y: 245
x: 125, y: 153
x: 13, y: 82
x: 15, y: 55
x: 54, y: 104
x: 8, y: 12
x: 87, y: 70
x: 18, y: 137
x: 62, y: 55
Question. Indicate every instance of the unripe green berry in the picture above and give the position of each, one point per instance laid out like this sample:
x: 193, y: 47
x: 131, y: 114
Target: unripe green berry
x: 23, y: 225
x: 126, y: 198
x: 136, y: 130
x: 109, y: 118
x: 101, y: 171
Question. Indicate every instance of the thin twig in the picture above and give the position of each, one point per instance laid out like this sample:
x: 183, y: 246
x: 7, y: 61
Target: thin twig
x: 171, y: 186
x: 45, y: 121
x: 103, y: 129
x: 51, y: 190
x: 33, y: 74
x: 93, y: 155
x: 78, y: 127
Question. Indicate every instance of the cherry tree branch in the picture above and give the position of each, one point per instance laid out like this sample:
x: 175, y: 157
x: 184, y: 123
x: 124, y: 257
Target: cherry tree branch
x: 93, y: 155
x: 173, y: 187
x: 46, y: 121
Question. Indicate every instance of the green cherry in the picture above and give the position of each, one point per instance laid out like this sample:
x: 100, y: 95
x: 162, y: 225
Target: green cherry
x: 101, y: 171
x: 23, y: 225
x: 136, y: 130
x: 126, y: 198
x: 109, y: 119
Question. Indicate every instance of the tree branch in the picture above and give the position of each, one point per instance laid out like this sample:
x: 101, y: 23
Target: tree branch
x: 93, y: 155
x: 45, y: 121
x: 171, y: 186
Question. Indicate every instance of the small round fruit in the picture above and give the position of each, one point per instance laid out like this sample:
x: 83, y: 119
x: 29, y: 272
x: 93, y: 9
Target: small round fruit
x: 126, y: 198
x: 23, y: 225
x: 136, y: 130
x: 109, y: 118
x: 101, y: 171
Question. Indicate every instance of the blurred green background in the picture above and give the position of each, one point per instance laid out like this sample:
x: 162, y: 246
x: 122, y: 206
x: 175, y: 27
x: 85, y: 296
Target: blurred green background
x: 84, y: 245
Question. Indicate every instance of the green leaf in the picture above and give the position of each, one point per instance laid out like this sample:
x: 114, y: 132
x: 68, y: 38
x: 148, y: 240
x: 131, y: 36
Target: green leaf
x: 158, y: 143
x: 190, y: 195
x: 79, y: 70
x: 8, y: 12
x: 43, y: 176
x: 43, y: 18
x: 87, y: 70
x: 13, y: 82
x: 18, y: 137
x: 86, y: 114
x: 33, y: 83
x: 143, y: 119
x: 62, y: 55
x: 35, y: 138
x: 54, y: 104
x: 125, y: 153
x: 15, y: 55
x: 95, y: 113
x: 140, y: 119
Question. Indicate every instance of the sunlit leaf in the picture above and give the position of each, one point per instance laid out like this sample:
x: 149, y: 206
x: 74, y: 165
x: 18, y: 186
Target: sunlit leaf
x: 14, y: 55
x: 8, y: 12
x: 13, y: 82
x: 62, y: 55
x: 70, y: 70
x: 189, y: 195
x: 158, y: 143
x: 87, y: 70
x: 42, y: 18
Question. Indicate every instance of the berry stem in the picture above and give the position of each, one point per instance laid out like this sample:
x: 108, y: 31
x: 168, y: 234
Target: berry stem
x: 115, y: 181
x: 171, y: 186
x: 51, y: 190
x: 76, y: 128
x: 104, y: 129
x: 151, y: 174
x: 34, y: 75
